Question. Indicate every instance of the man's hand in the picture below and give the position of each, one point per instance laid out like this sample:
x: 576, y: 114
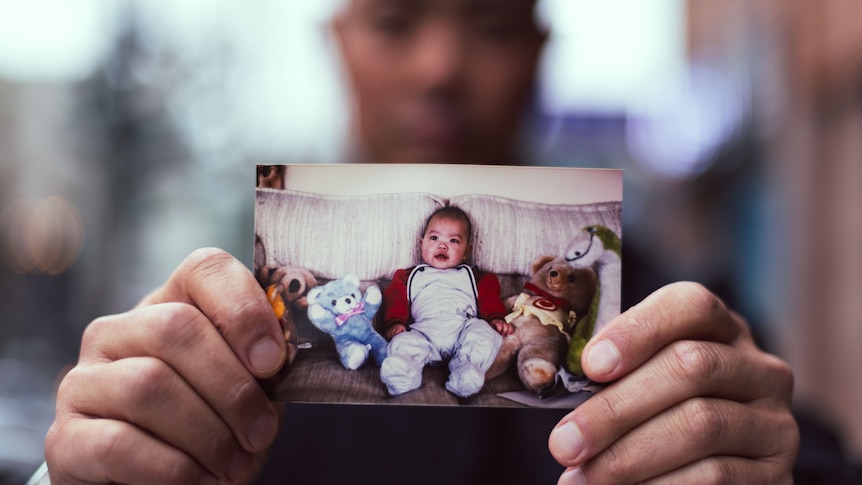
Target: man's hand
x: 691, y: 400
x: 167, y: 392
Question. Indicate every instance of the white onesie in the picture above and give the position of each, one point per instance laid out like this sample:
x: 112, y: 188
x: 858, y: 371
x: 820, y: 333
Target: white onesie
x: 445, y: 325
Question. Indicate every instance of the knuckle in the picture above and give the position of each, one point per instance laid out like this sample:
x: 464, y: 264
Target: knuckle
x: 219, y: 448
x: 110, y: 442
x: 96, y: 332
x: 54, y: 441
x: 704, y: 422
x: 791, y: 433
x: 207, y: 260
x: 146, y: 379
x: 66, y: 390
x: 207, y: 264
x: 698, y: 297
x: 113, y: 443
x: 220, y: 445
x: 609, y: 407
x: 717, y: 472
x: 695, y: 362
x: 781, y: 472
x: 615, y: 463
x: 634, y: 327
x: 786, y: 449
x: 243, y: 302
x: 242, y: 396
x: 179, y: 325
x: 632, y: 319
x: 243, y: 310
x: 181, y: 471
x: 783, y: 377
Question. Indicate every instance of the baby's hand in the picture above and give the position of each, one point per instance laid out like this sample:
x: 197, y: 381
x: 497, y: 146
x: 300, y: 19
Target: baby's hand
x: 395, y: 330
x: 502, y: 327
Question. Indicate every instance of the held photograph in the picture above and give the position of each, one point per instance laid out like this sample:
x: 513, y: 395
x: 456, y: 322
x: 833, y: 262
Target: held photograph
x: 437, y: 285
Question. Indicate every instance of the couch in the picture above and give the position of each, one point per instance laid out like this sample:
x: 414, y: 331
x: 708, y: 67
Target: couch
x: 371, y: 236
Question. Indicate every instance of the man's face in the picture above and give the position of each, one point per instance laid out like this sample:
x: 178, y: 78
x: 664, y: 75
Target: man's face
x: 439, y: 81
x: 445, y: 243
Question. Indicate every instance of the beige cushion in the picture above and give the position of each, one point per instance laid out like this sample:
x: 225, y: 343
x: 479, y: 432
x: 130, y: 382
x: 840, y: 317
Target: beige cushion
x: 373, y: 235
x: 332, y: 236
x: 510, y: 234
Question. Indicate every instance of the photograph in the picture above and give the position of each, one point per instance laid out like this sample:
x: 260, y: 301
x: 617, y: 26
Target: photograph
x: 437, y: 285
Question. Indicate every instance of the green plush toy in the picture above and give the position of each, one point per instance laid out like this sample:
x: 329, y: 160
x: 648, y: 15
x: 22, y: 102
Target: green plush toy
x: 600, y: 248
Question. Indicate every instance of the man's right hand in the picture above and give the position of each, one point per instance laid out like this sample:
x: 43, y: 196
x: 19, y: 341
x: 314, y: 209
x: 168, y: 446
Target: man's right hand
x: 167, y: 393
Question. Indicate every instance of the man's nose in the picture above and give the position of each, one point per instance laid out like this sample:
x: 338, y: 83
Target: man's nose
x: 439, y: 55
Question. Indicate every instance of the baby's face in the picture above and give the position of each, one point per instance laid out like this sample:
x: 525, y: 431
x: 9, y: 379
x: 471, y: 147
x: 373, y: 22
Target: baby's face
x: 445, y: 243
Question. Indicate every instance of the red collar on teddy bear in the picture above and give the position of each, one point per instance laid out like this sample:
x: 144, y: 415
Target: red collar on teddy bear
x: 560, y: 302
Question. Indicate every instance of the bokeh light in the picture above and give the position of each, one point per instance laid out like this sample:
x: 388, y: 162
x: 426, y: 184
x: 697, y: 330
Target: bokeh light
x: 50, y: 40
x: 678, y: 131
x: 590, y: 68
x: 41, y: 236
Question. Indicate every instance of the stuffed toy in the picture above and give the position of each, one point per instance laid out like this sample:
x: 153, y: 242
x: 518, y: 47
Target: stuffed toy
x: 339, y: 309
x: 543, y: 314
x: 286, y: 287
x: 595, y: 247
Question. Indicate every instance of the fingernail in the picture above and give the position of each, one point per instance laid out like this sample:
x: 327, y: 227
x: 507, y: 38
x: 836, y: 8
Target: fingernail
x: 265, y: 356
x: 262, y: 430
x: 572, y: 476
x: 567, y: 441
x: 604, y: 357
x: 238, y: 466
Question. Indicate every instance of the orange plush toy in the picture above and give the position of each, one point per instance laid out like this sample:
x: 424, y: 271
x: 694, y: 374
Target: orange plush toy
x: 286, y: 288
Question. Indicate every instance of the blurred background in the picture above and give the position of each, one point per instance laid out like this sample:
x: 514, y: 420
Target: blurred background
x: 129, y: 131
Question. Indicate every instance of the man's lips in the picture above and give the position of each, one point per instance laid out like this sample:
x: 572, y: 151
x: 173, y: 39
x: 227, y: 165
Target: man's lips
x: 438, y: 133
x: 437, y: 129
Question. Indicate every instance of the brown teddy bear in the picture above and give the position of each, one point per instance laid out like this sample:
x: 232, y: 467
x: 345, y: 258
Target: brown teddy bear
x: 286, y: 288
x: 543, y: 315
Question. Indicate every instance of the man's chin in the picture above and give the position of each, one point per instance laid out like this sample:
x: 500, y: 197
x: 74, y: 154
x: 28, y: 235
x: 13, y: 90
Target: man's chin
x: 454, y: 159
x: 435, y: 155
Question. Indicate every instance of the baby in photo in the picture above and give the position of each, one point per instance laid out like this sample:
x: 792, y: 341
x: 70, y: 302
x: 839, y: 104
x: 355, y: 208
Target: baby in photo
x: 442, y: 309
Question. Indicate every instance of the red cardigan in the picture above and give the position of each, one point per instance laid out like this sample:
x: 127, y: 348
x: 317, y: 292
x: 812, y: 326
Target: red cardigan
x: 396, y: 304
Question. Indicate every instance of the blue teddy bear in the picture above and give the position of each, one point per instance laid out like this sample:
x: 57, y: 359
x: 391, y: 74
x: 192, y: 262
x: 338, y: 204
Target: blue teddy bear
x: 339, y: 309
